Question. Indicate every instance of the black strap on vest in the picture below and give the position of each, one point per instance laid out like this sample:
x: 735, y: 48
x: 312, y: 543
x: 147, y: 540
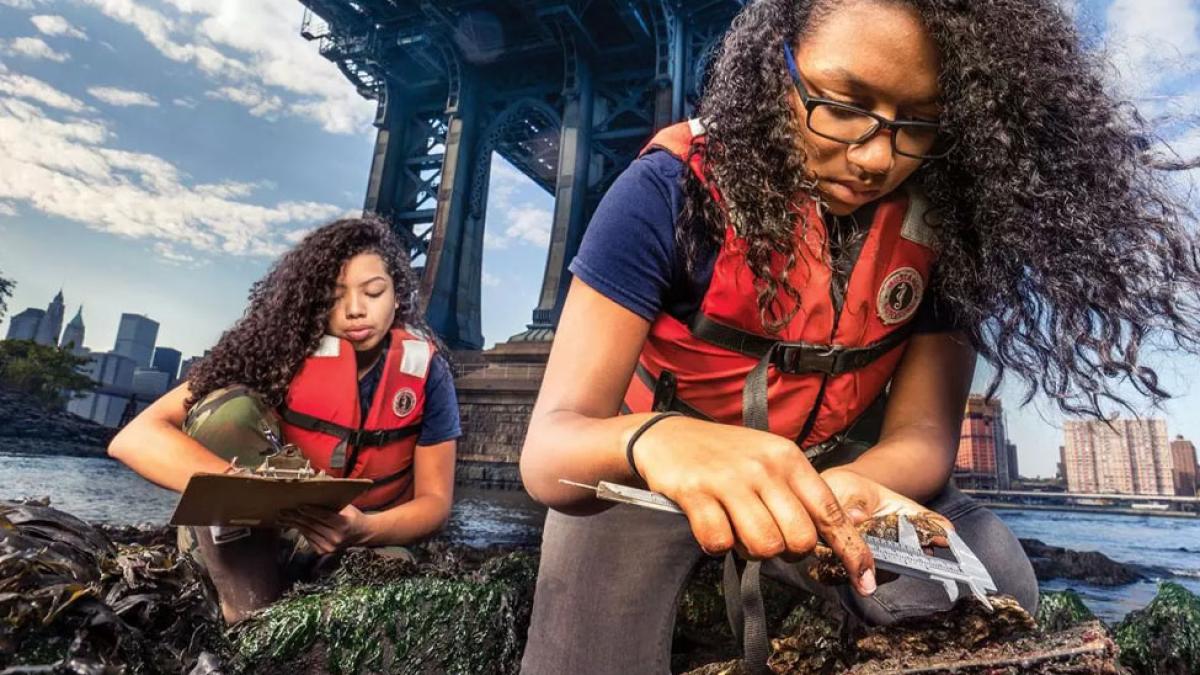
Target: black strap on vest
x: 351, y: 438
x: 743, y: 598
x: 796, y: 358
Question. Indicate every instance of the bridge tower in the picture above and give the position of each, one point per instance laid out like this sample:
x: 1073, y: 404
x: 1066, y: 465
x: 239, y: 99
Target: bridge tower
x: 566, y: 90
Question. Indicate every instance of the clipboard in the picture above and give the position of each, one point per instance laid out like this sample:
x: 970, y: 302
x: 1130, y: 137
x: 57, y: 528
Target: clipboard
x: 250, y: 500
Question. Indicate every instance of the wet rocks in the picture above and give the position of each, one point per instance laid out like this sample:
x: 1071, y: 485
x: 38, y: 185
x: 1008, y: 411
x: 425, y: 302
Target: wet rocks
x: 1164, y: 637
x: 447, y: 609
x: 73, y: 601
x: 78, y: 599
x: 1060, y: 610
x: 27, y: 427
x: 1092, y: 567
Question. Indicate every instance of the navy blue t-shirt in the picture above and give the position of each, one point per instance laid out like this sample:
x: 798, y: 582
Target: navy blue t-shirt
x: 439, y: 422
x: 628, y: 253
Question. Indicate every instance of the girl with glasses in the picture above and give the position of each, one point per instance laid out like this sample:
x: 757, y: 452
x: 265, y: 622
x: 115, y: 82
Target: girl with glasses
x: 777, y: 309
x: 874, y: 195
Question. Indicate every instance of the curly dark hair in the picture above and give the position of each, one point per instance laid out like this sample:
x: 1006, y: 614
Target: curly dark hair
x: 288, y: 309
x: 1063, y: 250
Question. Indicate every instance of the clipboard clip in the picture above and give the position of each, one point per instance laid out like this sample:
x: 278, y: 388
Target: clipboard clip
x: 285, y: 461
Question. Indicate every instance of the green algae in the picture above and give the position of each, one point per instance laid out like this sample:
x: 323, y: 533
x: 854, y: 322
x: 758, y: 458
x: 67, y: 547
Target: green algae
x: 1163, y: 638
x: 1060, y: 610
x: 414, y: 625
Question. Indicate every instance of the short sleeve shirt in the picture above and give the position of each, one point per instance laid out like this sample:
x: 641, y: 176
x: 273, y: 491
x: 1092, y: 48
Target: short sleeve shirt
x: 440, y: 421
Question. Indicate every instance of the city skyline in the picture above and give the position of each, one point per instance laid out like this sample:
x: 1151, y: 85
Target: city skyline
x: 157, y: 161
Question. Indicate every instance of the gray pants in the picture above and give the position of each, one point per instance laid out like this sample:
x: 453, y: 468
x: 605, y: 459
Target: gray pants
x: 609, y: 585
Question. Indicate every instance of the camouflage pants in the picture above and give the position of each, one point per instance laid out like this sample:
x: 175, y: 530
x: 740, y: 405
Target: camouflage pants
x: 250, y: 567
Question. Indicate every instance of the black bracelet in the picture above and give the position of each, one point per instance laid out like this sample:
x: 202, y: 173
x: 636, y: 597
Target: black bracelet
x: 641, y: 430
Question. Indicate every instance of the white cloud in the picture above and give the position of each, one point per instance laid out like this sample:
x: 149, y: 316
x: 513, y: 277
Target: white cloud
x: 1152, y: 41
x: 258, y: 102
x: 251, y: 48
x: 122, y: 98
x: 7, y: 209
x: 32, y: 48
x: 494, y: 241
x: 33, y: 89
x: 52, y: 24
x: 170, y: 254
x: 529, y: 224
x: 70, y: 168
x: 184, y: 103
x: 21, y: 4
x: 489, y: 280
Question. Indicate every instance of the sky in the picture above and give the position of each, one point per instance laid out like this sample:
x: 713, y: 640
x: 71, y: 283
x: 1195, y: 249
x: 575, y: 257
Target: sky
x: 157, y: 155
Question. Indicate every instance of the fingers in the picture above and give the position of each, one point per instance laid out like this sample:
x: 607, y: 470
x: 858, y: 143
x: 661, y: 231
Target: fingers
x: 710, y: 524
x: 759, y: 527
x: 792, y: 521
x: 835, y: 527
x: 753, y: 524
x: 322, y: 531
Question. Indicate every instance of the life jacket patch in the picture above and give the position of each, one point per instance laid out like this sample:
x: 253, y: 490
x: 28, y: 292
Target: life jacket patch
x: 330, y: 346
x: 404, y: 402
x: 900, y: 296
x: 416, y: 358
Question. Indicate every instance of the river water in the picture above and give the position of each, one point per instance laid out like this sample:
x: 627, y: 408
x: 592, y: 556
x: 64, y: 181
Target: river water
x: 101, y: 490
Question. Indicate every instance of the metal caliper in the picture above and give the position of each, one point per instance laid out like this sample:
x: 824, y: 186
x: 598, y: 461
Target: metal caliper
x: 904, y: 556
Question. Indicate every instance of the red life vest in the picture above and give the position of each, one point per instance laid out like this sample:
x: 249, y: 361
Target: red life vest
x: 811, y: 381
x: 323, y: 418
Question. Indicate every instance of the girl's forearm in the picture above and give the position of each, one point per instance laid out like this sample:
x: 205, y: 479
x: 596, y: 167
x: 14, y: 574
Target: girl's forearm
x: 914, y: 461
x: 163, y: 454
x: 566, y: 444
x: 408, y: 522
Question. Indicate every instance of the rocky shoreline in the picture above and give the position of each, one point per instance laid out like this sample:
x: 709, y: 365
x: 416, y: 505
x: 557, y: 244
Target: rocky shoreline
x: 82, y: 599
x: 27, y: 428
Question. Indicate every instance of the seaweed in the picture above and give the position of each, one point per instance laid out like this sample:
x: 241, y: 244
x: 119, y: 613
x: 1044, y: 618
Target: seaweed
x: 1059, y: 610
x: 72, y: 601
x: 1164, y: 637
x: 428, y: 623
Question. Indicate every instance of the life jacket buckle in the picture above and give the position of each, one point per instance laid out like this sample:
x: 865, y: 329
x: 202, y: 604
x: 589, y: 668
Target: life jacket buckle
x: 799, y: 358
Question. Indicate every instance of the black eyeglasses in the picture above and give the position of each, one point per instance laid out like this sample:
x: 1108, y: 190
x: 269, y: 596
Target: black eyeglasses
x: 849, y: 124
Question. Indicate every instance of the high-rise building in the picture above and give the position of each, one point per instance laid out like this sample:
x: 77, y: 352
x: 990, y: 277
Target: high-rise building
x: 24, y: 326
x: 985, y: 457
x: 167, y: 360
x: 1014, y: 469
x: 189, y: 363
x: 135, y: 338
x: 150, y: 383
x: 51, y: 324
x: 114, y: 373
x: 72, y: 337
x: 1118, y: 456
x: 1183, y: 458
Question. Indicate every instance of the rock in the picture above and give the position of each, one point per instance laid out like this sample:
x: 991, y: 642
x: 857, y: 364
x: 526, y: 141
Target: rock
x: 1164, y: 637
x: 28, y: 428
x: 1060, y: 610
x: 1053, y: 562
x: 80, y: 599
x: 964, y: 639
x: 1083, y: 649
x: 446, y: 613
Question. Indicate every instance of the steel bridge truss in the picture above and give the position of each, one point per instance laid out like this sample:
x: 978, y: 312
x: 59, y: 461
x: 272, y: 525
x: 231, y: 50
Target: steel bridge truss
x: 567, y: 91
